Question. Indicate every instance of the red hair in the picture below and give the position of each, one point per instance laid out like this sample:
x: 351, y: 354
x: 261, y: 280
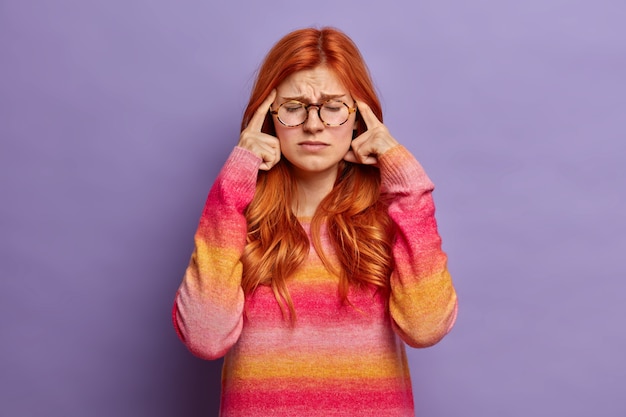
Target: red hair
x: 359, y: 227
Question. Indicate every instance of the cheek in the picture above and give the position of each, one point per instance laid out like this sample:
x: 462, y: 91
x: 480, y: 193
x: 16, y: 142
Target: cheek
x: 345, y: 134
x: 285, y: 134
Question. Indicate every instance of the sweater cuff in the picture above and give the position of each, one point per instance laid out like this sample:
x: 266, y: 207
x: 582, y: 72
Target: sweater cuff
x: 236, y: 184
x: 401, y: 172
x: 241, y: 170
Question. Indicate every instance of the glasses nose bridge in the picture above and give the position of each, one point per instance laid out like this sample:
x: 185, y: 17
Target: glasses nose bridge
x: 318, y: 107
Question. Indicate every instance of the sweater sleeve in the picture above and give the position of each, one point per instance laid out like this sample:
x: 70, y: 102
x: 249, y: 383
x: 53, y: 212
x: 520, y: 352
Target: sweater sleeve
x: 208, y: 308
x: 423, y: 302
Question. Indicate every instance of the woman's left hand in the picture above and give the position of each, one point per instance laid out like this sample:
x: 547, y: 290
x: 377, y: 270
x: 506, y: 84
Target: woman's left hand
x: 375, y: 141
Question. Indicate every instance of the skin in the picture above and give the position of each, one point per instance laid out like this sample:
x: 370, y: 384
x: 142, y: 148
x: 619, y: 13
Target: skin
x: 313, y: 149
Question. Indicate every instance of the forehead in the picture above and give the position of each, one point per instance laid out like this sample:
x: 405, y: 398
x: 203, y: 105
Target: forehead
x: 311, y: 84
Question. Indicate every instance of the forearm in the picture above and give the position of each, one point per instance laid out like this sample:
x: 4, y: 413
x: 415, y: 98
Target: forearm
x: 423, y: 301
x: 209, y: 303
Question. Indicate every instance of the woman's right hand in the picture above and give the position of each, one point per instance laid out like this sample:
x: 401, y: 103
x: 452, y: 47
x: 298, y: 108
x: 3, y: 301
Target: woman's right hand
x: 267, y: 147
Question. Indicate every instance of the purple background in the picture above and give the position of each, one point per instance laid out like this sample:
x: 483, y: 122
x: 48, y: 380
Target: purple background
x: 115, y: 117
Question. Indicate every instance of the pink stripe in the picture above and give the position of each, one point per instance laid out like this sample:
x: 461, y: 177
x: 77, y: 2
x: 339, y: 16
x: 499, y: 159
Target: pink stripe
x: 316, y: 304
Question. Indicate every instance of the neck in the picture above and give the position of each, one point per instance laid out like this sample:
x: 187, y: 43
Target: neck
x: 312, y: 189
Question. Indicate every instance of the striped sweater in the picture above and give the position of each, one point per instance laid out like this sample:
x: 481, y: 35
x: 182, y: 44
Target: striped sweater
x: 337, y: 360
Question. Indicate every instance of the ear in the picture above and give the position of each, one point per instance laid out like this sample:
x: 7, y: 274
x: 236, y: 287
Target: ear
x: 355, y: 127
x: 269, y: 126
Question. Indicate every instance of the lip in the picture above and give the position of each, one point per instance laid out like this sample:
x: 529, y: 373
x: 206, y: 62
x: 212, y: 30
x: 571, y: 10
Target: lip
x: 313, y: 144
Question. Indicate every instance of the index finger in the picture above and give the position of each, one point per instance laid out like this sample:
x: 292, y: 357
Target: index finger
x: 256, y: 122
x: 367, y: 114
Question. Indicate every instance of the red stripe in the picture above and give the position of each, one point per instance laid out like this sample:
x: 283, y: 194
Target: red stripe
x: 356, y: 398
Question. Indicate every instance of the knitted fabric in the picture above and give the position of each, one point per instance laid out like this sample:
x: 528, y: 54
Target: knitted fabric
x: 338, y: 359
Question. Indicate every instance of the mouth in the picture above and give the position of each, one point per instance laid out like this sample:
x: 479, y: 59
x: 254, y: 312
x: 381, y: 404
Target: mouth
x: 313, y: 143
x: 313, y: 146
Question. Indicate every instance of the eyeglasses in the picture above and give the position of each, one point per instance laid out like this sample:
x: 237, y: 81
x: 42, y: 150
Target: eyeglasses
x: 331, y: 113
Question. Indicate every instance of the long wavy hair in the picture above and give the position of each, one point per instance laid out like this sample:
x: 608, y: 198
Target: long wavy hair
x: 359, y: 227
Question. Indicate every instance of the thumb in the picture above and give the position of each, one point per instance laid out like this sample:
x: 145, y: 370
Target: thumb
x: 350, y: 157
x: 366, y: 160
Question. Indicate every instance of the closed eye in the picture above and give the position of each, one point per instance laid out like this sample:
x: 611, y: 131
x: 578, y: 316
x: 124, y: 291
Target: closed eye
x: 293, y: 106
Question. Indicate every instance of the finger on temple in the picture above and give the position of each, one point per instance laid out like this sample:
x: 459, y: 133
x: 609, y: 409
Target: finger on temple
x: 367, y: 114
x: 256, y: 122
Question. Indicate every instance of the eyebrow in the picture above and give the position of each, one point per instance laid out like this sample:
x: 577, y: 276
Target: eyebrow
x: 323, y: 98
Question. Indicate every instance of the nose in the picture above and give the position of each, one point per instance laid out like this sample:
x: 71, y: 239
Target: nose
x: 313, y: 123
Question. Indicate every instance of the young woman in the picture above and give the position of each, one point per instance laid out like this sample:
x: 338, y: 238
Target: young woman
x: 317, y: 256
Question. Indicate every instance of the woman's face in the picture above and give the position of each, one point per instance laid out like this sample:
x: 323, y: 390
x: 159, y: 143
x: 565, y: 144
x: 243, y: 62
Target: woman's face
x: 312, y: 147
